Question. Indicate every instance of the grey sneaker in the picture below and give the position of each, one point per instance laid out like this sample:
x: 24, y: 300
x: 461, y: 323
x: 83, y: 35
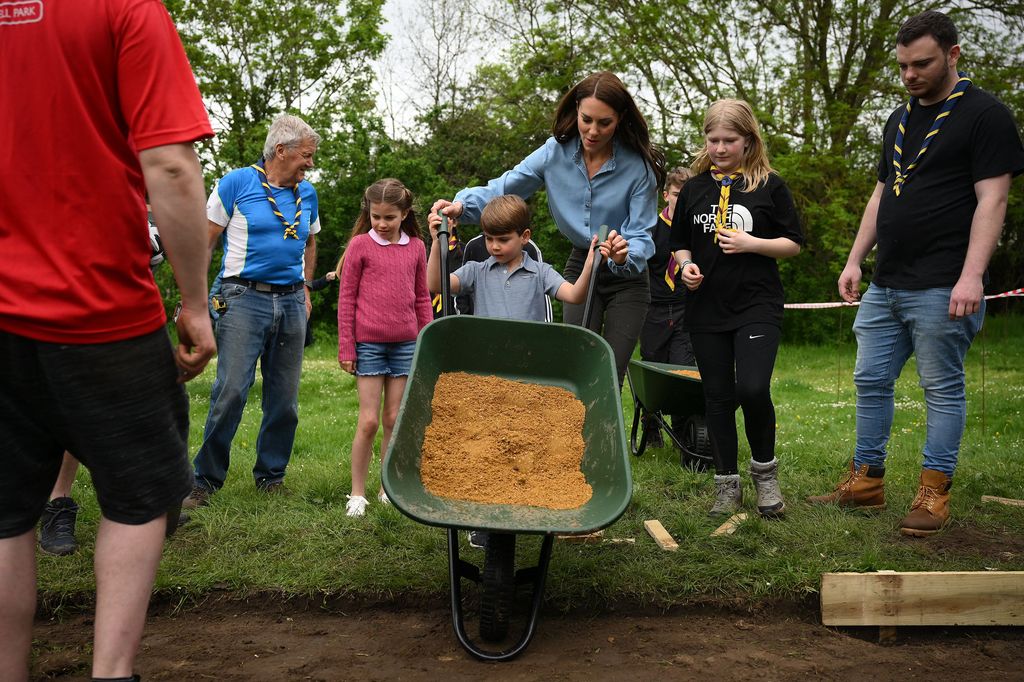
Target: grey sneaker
x: 728, y: 495
x: 57, y: 527
x: 766, y: 480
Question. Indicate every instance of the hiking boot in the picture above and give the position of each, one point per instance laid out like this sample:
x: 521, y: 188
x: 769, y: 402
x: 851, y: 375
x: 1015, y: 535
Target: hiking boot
x: 929, y: 511
x: 199, y: 497
x: 356, y: 505
x: 728, y: 495
x: 274, y: 488
x: 655, y: 439
x: 862, y: 488
x: 57, y: 527
x: 766, y: 481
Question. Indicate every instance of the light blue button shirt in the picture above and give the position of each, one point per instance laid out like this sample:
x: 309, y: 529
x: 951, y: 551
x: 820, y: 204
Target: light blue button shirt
x: 622, y: 195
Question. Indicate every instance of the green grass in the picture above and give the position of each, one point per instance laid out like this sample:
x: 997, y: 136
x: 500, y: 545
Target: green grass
x: 305, y: 546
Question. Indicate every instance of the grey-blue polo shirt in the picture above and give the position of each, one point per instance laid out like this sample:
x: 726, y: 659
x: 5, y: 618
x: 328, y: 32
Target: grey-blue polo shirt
x: 516, y: 295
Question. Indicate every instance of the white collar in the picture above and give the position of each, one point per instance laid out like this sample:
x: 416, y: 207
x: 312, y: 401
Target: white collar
x: 402, y: 239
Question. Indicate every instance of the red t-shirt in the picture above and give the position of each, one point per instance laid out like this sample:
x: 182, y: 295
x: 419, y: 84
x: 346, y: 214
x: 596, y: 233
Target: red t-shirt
x: 84, y: 86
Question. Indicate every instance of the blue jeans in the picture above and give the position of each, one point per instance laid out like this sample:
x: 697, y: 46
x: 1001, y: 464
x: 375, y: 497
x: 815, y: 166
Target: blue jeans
x: 891, y: 324
x: 270, y: 328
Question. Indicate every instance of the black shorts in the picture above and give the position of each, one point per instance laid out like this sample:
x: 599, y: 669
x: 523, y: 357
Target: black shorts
x: 116, y: 406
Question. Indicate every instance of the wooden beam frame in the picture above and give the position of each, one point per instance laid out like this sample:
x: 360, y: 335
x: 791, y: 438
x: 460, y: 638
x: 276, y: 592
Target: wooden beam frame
x: 890, y: 598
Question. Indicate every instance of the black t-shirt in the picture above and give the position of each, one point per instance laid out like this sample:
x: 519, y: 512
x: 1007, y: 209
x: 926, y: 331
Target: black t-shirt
x: 657, y: 267
x: 742, y: 288
x: 923, y: 233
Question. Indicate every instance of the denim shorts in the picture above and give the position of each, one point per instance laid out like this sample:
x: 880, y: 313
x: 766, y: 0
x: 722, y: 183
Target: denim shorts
x: 116, y: 406
x: 392, y: 359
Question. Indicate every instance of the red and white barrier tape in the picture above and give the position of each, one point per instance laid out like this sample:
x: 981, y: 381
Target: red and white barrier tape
x: 844, y: 304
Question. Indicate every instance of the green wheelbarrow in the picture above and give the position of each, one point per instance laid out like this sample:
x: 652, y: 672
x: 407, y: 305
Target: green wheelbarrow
x: 658, y: 391
x: 566, y: 356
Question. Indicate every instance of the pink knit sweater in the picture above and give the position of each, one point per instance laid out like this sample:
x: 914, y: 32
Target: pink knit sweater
x: 383, y: 296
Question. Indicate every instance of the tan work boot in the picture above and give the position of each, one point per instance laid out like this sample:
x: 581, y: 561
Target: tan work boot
x: 929, y: 511
x: 861, y: 488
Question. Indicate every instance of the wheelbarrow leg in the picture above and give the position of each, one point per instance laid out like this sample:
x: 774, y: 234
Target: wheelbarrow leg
x: 458, y: 569
x: 638, y: 409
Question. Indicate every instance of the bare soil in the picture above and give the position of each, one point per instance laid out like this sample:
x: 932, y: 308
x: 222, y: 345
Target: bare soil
x: 275, y: 639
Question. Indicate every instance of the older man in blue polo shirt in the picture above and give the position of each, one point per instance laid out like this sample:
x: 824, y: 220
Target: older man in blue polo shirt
x: 266, y: 218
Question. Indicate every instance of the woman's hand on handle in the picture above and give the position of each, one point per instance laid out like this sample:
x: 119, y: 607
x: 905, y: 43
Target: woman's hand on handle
x: 451, y: 209
x: 615, y: 247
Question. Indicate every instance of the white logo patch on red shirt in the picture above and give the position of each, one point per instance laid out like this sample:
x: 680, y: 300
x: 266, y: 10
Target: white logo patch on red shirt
x: 23, y: 12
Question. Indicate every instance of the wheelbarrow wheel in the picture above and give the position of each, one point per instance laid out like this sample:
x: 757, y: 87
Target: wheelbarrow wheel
x: 698, y: 451
x: 497, y: 586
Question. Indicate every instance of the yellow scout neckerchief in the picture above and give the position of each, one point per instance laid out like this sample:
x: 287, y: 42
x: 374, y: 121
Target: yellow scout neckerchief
x: 726, y: 182
x: 897, y: 152
x: 290, y: 229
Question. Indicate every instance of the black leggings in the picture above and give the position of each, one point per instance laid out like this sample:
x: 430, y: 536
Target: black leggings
x: 736, y: 370
x: 619, y: 308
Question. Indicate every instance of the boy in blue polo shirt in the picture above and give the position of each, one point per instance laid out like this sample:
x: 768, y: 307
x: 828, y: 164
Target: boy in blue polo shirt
x: 509, y: 283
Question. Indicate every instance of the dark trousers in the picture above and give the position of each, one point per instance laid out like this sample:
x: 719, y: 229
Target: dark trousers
x: 663, y: 339
x: 736, y: 370
x: 618, y: 309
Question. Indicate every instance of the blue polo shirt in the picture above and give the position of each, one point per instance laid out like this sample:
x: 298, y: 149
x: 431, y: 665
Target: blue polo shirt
x: 254, y: 244
x: 516, y: 295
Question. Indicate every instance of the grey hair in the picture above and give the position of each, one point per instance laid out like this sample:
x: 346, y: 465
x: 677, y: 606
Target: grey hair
x: 290, y: 131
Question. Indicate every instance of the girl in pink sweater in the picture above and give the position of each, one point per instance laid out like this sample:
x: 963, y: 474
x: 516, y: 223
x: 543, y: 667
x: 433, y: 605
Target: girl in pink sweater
x: 382, y: 305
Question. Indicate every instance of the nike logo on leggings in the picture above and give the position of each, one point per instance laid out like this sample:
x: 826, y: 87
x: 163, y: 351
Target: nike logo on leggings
x: 756, y: 337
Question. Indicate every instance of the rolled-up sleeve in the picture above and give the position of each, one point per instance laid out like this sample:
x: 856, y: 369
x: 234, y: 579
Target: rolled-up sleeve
x: 636, y: 228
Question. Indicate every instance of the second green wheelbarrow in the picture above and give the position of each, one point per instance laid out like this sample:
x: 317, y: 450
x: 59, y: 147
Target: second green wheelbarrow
x: 566, y: 356
x: 658, y: 390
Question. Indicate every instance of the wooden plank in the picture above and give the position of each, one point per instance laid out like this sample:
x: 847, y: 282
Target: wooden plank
x: 660, y: 535
x: 730, y: 526
x: 925, y: 598
x: 1002, y: 500
x: 588, y: 538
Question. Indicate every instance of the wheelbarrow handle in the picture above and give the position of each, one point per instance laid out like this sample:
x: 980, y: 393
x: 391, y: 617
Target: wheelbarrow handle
x: 602, y: 234
x: 446, y: 284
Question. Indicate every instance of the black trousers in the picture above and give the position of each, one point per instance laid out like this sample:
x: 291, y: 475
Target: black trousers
x: 736, y: 370
x: 618, y: 309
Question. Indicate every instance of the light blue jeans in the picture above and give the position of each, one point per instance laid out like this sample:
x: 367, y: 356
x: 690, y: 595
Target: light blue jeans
x: 891, y: 324
x: 269, y: 328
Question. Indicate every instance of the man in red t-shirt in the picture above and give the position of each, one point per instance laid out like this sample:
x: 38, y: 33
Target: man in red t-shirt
x: 98, y: 105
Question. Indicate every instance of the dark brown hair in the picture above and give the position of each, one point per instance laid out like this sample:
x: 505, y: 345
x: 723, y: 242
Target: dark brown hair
x: 632, y: 128
x: 931, y: 23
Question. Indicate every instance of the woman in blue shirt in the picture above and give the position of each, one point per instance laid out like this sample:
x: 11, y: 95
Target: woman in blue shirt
x: 599, y: 168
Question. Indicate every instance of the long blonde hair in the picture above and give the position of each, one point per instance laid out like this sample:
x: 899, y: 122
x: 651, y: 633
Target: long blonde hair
x: 738, y: 115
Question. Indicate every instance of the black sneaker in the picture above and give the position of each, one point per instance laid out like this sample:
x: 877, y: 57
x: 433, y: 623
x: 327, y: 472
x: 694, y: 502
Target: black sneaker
x: 199, y: 497
x: 478, y: 539
x: 57, y: 527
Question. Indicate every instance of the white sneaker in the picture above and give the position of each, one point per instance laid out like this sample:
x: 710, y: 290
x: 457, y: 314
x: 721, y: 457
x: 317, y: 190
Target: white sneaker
x: 356, y: 505
x: 382, y: 497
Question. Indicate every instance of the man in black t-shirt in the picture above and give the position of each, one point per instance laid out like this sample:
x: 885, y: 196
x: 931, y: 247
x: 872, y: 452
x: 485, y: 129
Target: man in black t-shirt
x: 948, y: 157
